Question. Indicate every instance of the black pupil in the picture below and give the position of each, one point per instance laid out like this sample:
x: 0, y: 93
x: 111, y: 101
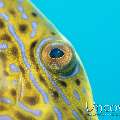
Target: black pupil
x: 56, y: 53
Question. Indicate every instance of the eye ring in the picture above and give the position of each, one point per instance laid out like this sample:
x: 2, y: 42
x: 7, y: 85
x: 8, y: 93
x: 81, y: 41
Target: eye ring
x: 58, y: 57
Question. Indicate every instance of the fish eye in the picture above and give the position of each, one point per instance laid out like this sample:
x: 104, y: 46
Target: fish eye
x: 59, y: 58
x: 56, y: 53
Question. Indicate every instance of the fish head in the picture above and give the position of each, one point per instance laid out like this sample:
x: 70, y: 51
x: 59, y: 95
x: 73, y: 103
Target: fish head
x: 65, y: 75
x: 41, y: 74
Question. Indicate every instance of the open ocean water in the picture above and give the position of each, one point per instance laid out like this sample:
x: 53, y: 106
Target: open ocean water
x: 93, y: 27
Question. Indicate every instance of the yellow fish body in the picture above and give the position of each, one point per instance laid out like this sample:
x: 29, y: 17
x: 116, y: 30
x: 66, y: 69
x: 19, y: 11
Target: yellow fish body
x: 41, y: 75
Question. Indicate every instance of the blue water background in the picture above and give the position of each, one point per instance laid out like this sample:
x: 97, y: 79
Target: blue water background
x: 93, y: 27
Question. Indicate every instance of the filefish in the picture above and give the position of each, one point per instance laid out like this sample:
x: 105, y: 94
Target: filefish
x: 41, y: 74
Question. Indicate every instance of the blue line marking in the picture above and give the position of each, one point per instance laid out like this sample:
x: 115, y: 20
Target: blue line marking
x: 34, y: 27
x: 24, y: 16
x: 21, y: 45
x: 38, y: 51
x: 60, y: 92
x: 44, y: 94
x: 76, y: 115
x: 14, y: 68
x: 3, y: 46
x: 5, y: 118
x: 21, y: 9
x: 20, y: 1
x: 5, y: 100
x: 1, y: 4
x: 4, y: 16
x: 59, y: 113
x: 76, y: 94
x: 34, y: 112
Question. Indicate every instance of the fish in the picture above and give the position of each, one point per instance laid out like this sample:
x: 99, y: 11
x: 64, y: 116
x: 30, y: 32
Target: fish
x: 41, y: 74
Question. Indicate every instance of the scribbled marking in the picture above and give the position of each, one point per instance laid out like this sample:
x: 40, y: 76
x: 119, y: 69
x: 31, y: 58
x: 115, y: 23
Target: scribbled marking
x: 35, y: 112
x: 43, y: 93
x: 58, y: 113
x: 21, y: 45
